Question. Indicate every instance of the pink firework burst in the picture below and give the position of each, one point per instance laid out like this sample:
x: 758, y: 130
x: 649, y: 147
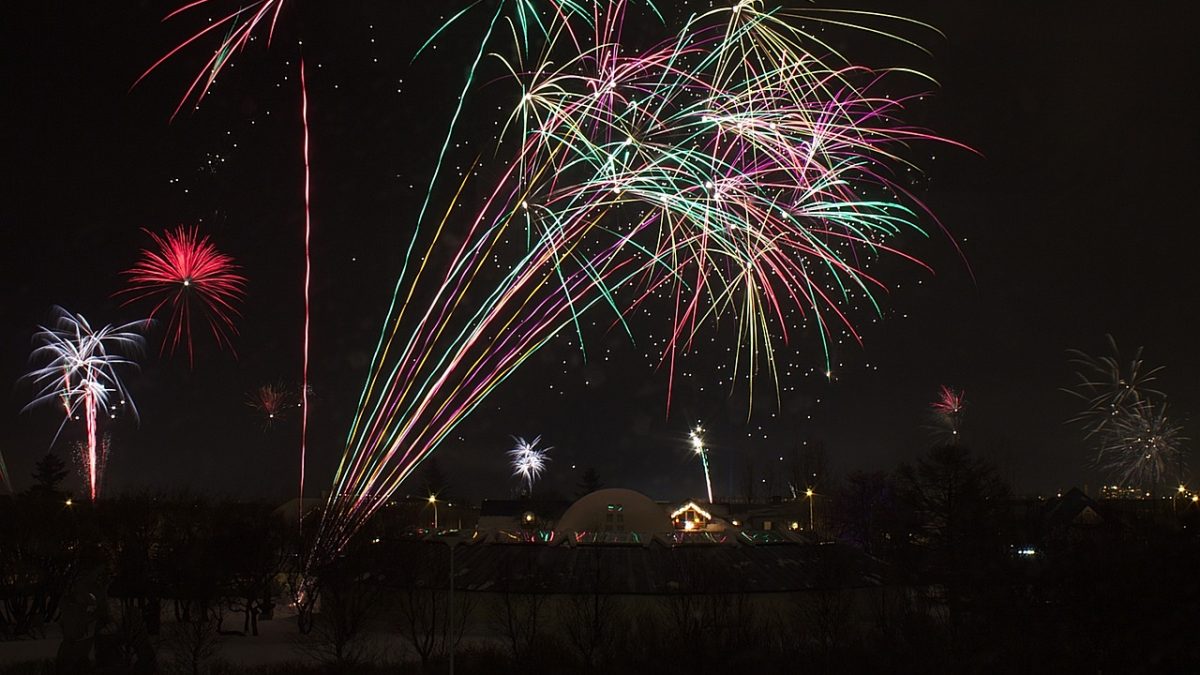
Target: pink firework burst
x: 950, y: 401
x: 946, y: 412
x: 271, y: 401
x: 185, y: 274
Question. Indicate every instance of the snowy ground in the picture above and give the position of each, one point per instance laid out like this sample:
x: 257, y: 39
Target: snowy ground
x: 278, y: 641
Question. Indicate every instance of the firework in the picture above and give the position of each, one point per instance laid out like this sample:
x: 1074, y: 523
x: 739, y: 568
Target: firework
x: 1109, y: 389
x: 184, y: 276
x: 1125, y: 418
x: 1141, y: 445
x: 724, y: 170
x: 739, y: 167
x: 272, y: 402
x: 80, y: 372
x: 699, y: 449
x: 528, y: 460
x: 240, y: 26
x: 946, y: 413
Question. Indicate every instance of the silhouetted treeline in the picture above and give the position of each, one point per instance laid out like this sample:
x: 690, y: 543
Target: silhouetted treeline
x: 178, y: 555
x: 1011, y: 585
x: 972, y: 580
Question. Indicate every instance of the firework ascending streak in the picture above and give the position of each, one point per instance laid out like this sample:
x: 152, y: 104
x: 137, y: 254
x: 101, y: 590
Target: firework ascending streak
x: 1125, y: 418
x: 528, y: 460
x: 946, y: 413
x: 304, y: 388
x: 187, y: 275
x: 724, y: 169
x: 699, y: 449
x: 80, y: 373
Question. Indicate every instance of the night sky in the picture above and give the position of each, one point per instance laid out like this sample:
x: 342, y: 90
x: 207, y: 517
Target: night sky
x: 1075, y: 221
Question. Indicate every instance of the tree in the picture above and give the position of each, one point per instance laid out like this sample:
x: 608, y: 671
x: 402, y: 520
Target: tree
x: 39, y: 552
x: 589, y: 482
x: 192, y: 642
x: 132, y: 525
x: 253, y: 541
x: 47, y: 474
x: 350, y: 600
x: 519, y: 615
x: 418, y: 576
x: 592, y: 620
x: 956, y: 504
x: 864, y: 509
x: 957, y: 500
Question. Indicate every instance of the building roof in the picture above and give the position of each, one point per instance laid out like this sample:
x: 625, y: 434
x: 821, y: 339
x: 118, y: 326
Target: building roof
x: 600, y: 511
x: 1073, y: 508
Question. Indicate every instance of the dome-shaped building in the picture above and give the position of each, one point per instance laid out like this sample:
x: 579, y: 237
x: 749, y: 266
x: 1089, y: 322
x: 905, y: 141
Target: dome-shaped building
x: 615, y: 510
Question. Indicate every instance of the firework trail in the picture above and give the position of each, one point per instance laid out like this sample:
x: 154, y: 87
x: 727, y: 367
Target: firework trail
x: 304, y: 388
x: 186, y: 274
x: 1125, y: 418
x: 271, y: 401
x: 528, y: 460
x: 4, y: 477
x: 80, y: 372
x: 946, y: 413
x: 240, y: 26
x: 724, y: 168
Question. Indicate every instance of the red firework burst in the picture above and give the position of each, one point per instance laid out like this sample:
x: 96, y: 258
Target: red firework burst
x: 186, y: 275
x: 271, y: 401
x: 950, y: 401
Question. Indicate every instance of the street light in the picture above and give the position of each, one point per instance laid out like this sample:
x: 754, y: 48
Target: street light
x: 433, y: 500
x: 451, y: 539
x: 699, y: 449
x: 809, y: 493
